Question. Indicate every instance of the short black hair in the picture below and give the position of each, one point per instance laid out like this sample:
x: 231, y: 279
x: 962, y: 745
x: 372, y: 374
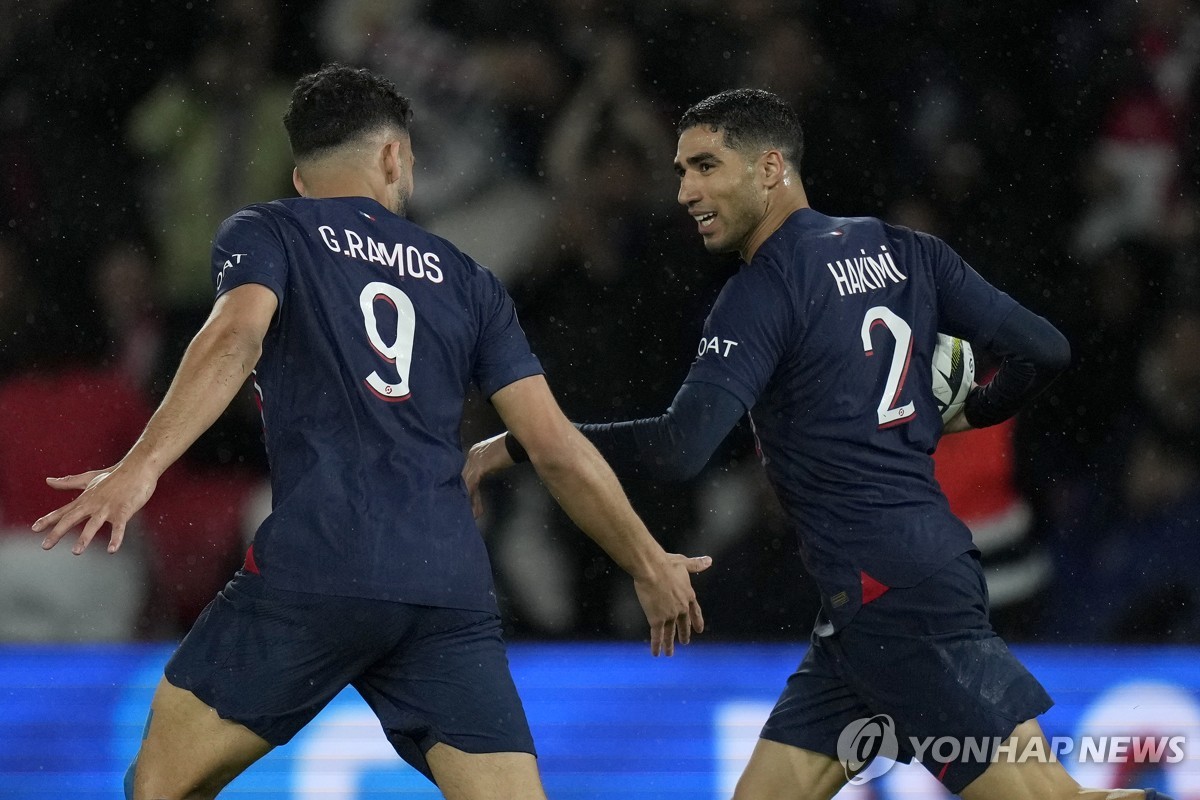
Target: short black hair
x: 750, y: 118
x: 337, y: 104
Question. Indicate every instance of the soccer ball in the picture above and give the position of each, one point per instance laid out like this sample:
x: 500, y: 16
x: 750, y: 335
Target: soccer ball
x: 953, y: 374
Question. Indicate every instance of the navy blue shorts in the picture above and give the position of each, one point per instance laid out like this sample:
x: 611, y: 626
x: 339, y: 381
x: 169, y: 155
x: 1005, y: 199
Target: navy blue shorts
x: 926, y: 657
x: 270, y: 659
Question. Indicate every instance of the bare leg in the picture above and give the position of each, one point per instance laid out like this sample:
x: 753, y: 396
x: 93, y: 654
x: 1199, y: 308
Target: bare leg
x: 782, y: 772
x: 190, y: 753
x: 484, y: 776
x: 1032, y: 779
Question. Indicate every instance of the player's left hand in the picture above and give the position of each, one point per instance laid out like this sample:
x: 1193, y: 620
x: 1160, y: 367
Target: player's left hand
x: 110, y: 496
x: 670, y: 604
x: 483, y: 458
x: 958, y: 423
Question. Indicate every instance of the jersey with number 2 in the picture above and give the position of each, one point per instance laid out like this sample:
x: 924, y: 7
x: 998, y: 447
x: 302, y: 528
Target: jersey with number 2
x: 380, y: 331
x: 827, y: 336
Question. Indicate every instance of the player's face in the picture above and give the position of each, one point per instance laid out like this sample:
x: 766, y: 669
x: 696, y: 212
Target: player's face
x: 717, y: 186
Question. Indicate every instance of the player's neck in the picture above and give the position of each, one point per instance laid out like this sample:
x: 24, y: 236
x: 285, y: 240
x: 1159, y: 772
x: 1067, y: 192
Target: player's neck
x: 322, y: 184
x: 346, y: 189
x: 780, y: 206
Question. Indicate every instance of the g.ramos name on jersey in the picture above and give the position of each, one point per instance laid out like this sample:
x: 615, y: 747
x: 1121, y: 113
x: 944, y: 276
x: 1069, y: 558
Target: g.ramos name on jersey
x: 406, y: 259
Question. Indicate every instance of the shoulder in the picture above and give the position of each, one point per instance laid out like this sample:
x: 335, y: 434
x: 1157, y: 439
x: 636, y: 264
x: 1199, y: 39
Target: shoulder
x: 913, y: 238
x: 267, y: 215
x: 470, y: 270
x: 449, y: 246
x: 810, y: 235
x: 870, y: 232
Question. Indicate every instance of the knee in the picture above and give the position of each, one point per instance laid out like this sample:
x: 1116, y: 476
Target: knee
x: 130, y: 774
x: 149, y: 784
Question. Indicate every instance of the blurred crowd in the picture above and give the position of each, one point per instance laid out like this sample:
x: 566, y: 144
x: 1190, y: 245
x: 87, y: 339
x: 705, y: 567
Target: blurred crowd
x: 1056, y: 148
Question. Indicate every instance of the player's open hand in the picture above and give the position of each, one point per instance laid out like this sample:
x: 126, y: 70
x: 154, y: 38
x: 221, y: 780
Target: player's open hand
x: 110, y: 496
x: 670, y: 602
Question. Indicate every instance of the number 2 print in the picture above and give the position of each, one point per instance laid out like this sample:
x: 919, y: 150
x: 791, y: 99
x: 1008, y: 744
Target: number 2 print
x: 881, y: 316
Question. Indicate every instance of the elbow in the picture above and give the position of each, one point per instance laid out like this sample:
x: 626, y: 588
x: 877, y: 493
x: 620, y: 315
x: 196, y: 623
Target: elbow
x: 244, y: 347
x: 680, y: 456
x: 230, y: 344
x: 552, y: 467
x: 554, y: 453
x: 1057, y: 355
x: 678, y: 466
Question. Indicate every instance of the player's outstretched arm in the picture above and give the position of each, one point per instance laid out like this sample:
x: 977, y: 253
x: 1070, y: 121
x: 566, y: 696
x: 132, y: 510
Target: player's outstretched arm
x: 212, y: 371
x: 673, y: 446
x: 586, y: 488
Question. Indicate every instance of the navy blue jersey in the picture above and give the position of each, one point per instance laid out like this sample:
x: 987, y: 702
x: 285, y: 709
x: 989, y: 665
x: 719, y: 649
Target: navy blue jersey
x: 380, y: 331
x: 827, y: 336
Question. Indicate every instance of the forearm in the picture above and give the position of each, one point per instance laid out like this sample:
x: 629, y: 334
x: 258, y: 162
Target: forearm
x: 586, y: 488
x: 213, y: 369
x: 653, y: 447
x: 676, y: 445
x: 1034, y: 353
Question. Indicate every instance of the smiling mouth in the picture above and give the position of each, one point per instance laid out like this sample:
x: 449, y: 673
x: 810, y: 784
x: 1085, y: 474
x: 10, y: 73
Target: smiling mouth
x: 705, y: 220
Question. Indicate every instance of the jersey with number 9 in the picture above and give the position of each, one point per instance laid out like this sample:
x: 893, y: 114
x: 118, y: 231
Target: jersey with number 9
x: 381, y: 329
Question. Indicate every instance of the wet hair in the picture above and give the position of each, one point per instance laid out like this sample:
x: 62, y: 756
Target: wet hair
x: 337, y: 104
x: 751, y: 119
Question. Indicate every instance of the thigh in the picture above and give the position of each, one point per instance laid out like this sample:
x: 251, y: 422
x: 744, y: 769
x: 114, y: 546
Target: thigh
x: 1028, y: 779
x: 270, y: 660
x: 779, y: 771
x: 448, y: 683
x: 188, y: 750
x: 928, y: 658
x: 816, y: 705
x: 803, y: 751
x: 484, y: 776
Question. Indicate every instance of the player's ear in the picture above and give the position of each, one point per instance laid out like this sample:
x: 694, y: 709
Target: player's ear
x: 393, y: 165
x: 771, y: 168
x: 298, y: 182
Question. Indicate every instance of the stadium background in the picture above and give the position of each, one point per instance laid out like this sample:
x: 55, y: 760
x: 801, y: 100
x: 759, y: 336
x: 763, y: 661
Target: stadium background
x: 1055, y: 148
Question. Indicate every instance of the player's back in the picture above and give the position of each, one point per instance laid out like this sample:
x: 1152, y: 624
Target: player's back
x: 381, y: 329
x: 843, y: 316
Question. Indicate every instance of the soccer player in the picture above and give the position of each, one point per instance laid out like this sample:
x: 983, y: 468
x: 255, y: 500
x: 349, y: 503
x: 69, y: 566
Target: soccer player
x: 363, y: 332
x: 825, y: 337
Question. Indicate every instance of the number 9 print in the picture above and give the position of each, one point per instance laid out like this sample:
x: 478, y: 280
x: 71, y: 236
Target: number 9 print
x: 399, y: 352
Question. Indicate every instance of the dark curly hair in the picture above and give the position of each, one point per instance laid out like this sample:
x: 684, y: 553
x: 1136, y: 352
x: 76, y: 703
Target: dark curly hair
x: 337, y: 104
x: 751, y: 119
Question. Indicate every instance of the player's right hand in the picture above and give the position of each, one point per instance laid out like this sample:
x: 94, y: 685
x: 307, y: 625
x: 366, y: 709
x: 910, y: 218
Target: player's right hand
x: 110, y: 496
x: 669, y: 602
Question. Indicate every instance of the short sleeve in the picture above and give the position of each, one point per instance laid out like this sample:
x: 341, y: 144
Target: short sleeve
x: 968, y: 306
x: 503, y: 355
x: 746, y: 334
x: 247, y: 249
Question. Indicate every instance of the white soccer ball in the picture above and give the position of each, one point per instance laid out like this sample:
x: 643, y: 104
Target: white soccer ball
x: 953, y: 374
